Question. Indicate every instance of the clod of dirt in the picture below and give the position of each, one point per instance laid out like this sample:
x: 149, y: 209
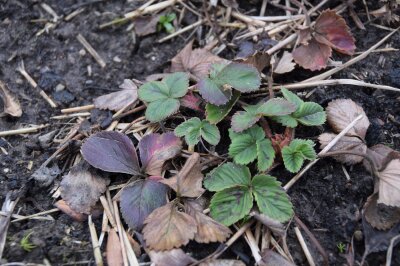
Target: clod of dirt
x: 46, y: 175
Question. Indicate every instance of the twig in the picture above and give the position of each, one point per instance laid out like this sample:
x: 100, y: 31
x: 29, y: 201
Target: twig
x: 304, y: 246
x: 107, y: 210
x: 390, y: 250
x: 95, y: 243
x: 326, y: 149
x: 149, y: 9
x: 78, y: 109
x: 70, y: 115
x: 282, y: 44
x: 253, y: 246
x: 179, y: 32
x: 21, y: 131
x: 91, y: 50
x: 120, y: 229
x: 8, y: 207
x: 35, y: 215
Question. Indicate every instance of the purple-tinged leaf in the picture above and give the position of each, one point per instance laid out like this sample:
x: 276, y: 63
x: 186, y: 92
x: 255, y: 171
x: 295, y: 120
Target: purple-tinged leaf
x: 155, y: 149
x: 191, y: 101
x: 111, y: 152
x: 139, y: 199
x: 213, y: 93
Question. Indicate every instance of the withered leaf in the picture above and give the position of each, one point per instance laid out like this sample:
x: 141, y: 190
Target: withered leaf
x: 65, y: 208
x: 271, y: 258
x: 331, y: 29
x: 285, y: 64
x: 167, y: 228
x: 381, y: 155
x: 313, y: 56
x: 45, y: 175
x: 254, y: 54
x: 341, y: 112
x: 113, y: 250
x: 115, y: 101
x: 222, y: 263
x: 196, y: 62
x: 188, y: 182
x: 208, y: 230
x: 139, y: 199
x: 146, y: 25
x: 345, y: 143
x: 380, y: 216
x: 11, y: 103
x: 389, y: 184
x: 82, y: 187
x: 156, y: 149
x: 174, y: 257
x: 275, y: 226
x: 111, y: 152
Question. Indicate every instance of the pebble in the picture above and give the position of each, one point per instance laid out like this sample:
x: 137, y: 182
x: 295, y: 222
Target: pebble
x: 116, y: 59
x: 82, y: 52
x: 59, y: 87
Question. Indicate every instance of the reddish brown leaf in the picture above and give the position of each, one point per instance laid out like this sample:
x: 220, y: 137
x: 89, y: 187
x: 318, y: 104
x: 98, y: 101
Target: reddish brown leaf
x: 156, y: 149
x: 380, y: 216
x: 196, y: 62
x: 271, y: 258
x: 115, y: 101
x: 188, y: 182
x: 114, y: 251
x: 146, y: 25
x: 341, y: 112
x: 10, y: 102
x: 167, y: 228
x: 65, y: 208
x: 345, y: 143
x: 208, y: 230
x: 191, y: 101
x: 174, y: 257
x: 313, y: 56
x: 305, y: 35
x: 331, y: 29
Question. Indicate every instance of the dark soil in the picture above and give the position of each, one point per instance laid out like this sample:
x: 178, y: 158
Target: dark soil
x: 323, y: 199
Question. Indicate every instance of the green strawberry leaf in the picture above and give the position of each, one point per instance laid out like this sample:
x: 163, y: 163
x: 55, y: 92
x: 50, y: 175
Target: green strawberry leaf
x: 243, y: 120
x: 276, y: 107
x: 210, y: 133
x: 194, y: 128
x: 294, y: 154
x: 153, y: 91
x: 265, y: 154
x: 230, y: 205
x: 242, y: 77
x: 178, y: 84
x: 227, y: 175
x: 213, y: 93
x: 291, y: 97
x: 286, y: 120
x: 159, y: 110
x: 271, y: 198
x: 243, y: 148
x: 310, y: 114
x: 215, y: 114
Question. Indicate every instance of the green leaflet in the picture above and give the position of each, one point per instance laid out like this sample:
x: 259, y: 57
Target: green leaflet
x: 294, y: 154
x: 162, y: 96
x: 226, y: 176
x: 194, y: 129
x: 215, y: 114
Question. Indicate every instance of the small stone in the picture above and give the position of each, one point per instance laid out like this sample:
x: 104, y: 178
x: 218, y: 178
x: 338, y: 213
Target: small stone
x: 116, y: 59
x: 6, y: 170
x: 82, y: 52
x: 358, y: 235
x: 60, y: 87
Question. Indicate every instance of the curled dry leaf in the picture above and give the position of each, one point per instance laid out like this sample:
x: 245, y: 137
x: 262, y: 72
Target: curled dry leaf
x: 341, y: 112
x: 111, y: 152
x: 389, y: 184
x: 275, y: 226
x: 82, y: 187
x: 115, y: 101
x: 285, y: 64
x: 156, y: 149
x: 255, y: 54
x: 313, y: 56
x: 174, y: 257
x: 197, y: 62
x: 222, y: 263
x: 380, y: 216
x: 146, y: 25
x: 345, y: 144
x: 271, y: 258
x: 381, y: 155
x: 65, y: 208
x: 167, y: 228
x: 188, y: 182
x: 208, y: 230
x: 140, y: 198
x: 11, y: 103
x: 113, y: 250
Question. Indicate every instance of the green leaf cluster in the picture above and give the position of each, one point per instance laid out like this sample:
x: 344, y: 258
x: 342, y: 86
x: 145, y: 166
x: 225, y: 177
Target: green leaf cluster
x: 165, y: 22
x: 163, y: 96
x: 236, y: 191
x: 249, y: 145
x: 194, y: 129
x: 307, y: 113
x: 296, y: 152
x: 216, y: 89
x: 242, y: 120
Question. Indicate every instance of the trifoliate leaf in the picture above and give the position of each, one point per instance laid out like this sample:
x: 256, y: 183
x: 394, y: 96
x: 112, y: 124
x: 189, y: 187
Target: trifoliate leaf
x: 295, y: 154
x: 213, y: 93
x: 226, y: 176
x: 310, y: 114
x: 210, y: 133
x: 159, y: 110
x: 243, y: 120
x: 177, y: 83
x: 186, y: 126
x: 291, y: 97
x: 271, y: 198
x: 215, y: 114
x: 231, y: 205
x: 243, y: 148
x: 153, y: 91
x: 265, y: 154
x: 276, y: 107
x: 194, y: 128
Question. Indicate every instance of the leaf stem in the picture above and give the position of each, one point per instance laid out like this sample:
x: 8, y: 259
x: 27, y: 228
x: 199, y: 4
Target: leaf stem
x: 267, y: 129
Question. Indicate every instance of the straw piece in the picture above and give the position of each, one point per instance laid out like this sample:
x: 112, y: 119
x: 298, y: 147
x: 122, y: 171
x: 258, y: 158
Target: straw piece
x: 91, y: 50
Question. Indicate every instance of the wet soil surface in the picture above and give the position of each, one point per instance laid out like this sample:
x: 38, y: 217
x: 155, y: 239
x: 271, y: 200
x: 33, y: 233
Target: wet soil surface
x: 324, y: 199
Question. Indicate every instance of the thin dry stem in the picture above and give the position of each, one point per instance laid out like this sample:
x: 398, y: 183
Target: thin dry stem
x: 304, y: 246
x: 91, y: 50
x: 95, y: 242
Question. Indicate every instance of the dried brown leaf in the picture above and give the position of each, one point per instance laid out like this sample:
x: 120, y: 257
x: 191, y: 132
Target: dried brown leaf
x: 115, y: 101
x: 82, y: 187
x: 275, y: 226
x: 381, y: 155
x: 208, y: 230
x: 65, y: 208
x: 380, y: 216
x: 344, y: 144
x: 389, y: 184
x: 341, y: 112
x: 113, y: 250
x: 167, y: 228
x: 10, y: 101
x: 313, y: 56
x: 146, y: 25
x: 188, y: 182
x: 254, y: 54
x: 285, y: 64
x: 222, y: 263
x: 196, y: 62
x: 135, y: 245
x: 305, y: 35
x: 174, y: 257
x: 271, y: 258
